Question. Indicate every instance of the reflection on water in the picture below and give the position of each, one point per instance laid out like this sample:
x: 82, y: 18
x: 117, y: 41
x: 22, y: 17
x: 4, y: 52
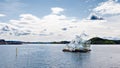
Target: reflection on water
x: 51, y: 56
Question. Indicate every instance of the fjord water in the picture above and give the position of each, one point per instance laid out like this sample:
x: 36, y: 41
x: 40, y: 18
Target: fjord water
x: 51, y: 56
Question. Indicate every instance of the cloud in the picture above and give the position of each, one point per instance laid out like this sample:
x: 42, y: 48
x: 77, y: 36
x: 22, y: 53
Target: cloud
x: 57, y: 10
x: 93, y: 16
x: 108, y: 7
x: 29, y: 17
x: 27, y: 22
x: 2, y: 15
x: 111, y: 26
x: 56, y: 27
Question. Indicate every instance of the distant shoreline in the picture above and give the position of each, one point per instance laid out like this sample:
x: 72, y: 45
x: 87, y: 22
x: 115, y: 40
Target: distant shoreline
x: 94, y: 41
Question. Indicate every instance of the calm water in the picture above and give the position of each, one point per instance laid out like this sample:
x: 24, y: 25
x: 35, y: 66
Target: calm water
x: 51, y: 56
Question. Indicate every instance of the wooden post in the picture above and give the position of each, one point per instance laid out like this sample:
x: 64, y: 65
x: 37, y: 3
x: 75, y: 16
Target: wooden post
x: 16, y: 52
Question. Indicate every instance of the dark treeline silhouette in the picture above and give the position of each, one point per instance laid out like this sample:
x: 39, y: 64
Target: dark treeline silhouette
x: 95, y: 40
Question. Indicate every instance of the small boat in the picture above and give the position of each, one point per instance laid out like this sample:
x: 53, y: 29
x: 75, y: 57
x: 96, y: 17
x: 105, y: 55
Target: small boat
x: 78, y: 45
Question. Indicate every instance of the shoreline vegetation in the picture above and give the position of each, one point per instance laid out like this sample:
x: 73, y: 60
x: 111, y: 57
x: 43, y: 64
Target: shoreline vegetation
x: 95, y: 40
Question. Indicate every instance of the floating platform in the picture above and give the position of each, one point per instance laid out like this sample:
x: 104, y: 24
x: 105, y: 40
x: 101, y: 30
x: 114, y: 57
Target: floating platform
x: 77, y: 50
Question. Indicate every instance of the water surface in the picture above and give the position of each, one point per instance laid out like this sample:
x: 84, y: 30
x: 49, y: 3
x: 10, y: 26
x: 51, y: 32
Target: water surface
x: 51, y: 56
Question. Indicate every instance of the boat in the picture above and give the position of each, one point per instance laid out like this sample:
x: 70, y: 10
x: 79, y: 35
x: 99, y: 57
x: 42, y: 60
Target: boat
x: 78, y: 45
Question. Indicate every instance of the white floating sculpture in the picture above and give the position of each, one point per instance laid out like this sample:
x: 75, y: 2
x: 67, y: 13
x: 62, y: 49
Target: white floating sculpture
x: 79, y: 44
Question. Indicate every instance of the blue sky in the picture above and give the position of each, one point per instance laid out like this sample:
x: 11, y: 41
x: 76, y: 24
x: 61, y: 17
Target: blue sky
x: 73, y: 8
x: 51, y: 20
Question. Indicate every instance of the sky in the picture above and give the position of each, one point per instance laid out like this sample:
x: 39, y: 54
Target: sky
x: 55, y: 20
x: 40, y: 8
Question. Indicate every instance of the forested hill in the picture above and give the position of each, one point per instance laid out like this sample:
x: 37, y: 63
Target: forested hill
x: 97, y: 40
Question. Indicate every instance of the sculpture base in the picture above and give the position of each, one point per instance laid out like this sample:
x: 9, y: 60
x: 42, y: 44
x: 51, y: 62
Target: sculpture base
x: 76, y: 50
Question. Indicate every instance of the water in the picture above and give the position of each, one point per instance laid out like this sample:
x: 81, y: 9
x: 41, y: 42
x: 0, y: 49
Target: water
x: 51, y: 56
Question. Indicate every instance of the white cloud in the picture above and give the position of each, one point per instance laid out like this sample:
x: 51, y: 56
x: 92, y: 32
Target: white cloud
x: 29, y: 17
x: 111, y: 26
x: 108, y: 7
x: 50, y: 27
x: 57, y: 10
x: 28, y: 22
x: 2, y: 15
